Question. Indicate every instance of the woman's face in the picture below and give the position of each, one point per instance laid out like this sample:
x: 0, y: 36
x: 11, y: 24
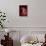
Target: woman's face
x: 23, y: 11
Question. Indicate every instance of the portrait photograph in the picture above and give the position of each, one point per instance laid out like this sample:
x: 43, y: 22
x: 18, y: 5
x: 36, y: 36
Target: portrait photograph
x: 23, y: 10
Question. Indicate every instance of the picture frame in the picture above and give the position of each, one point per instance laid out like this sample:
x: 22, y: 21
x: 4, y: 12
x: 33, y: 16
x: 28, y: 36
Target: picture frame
x: 23, y: 10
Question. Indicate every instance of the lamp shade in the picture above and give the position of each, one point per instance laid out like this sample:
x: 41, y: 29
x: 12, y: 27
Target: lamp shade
x: 7, y: 30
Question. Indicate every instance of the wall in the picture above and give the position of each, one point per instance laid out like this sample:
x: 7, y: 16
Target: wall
x: 36, y: 13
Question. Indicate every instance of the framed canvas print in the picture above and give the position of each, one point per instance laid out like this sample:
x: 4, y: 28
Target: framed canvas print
x: 23, y: 10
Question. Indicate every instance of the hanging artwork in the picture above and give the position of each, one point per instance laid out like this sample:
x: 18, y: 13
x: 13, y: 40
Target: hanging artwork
x: 23, y: 10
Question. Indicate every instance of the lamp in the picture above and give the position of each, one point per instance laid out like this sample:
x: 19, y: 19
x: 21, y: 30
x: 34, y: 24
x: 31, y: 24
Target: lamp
x: 7, y: 31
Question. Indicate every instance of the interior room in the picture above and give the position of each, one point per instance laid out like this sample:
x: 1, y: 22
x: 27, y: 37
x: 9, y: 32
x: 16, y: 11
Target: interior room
x: 22, y: 23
